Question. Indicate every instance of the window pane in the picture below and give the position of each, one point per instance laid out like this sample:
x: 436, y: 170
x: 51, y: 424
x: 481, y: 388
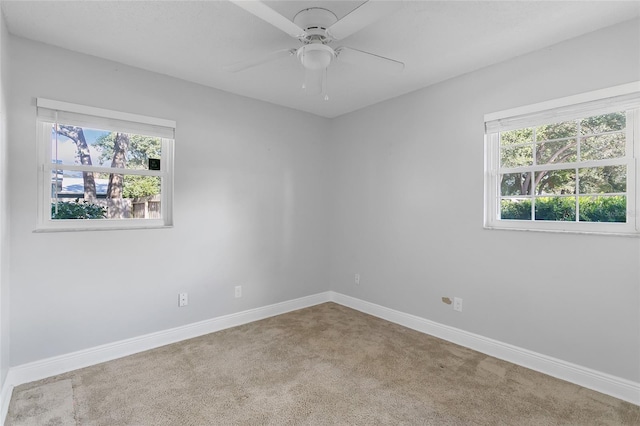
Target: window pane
x: 556, y: 208
x: 602, y: 180
x: 548, y: 132
x: 556, y: 182
x: 515, y: 208
x: 613, y: 122
x: 86, y: 146
x: 516, y: 156
x: 518, y: 136
x: 556, y: 152
x: 515, y: 184
x: 603, y: 147
x: 86, y: 195
x: 603, y: 208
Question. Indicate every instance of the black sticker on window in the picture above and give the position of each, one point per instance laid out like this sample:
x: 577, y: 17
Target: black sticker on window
x: 154, y: 164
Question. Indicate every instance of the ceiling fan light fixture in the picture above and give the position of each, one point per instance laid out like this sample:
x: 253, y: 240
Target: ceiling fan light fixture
x: 316, y: 27
x: 315, y: 56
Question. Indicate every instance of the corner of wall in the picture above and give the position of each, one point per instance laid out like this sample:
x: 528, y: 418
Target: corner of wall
x: 5, y: 394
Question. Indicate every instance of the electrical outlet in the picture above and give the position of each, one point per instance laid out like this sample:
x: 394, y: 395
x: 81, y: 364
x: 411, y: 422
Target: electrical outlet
x: 238, y: 291
x: 457, y: 304
x: 183, y: 299
x: 356, y: 278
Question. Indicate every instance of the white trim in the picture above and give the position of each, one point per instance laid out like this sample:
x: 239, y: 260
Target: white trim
x: 44, y: 223
x: 492, y: 171
x: 609, y: 92
x: 81, y: 225
x: 48, y: 367
x: 605, y: 383
x: 5, y: 397
x: 102, y: 169
x: 101, y: 112
x: 602, y: 382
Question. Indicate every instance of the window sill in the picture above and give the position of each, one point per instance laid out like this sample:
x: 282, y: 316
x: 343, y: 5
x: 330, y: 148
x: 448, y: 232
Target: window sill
x: 629, y: 234
x: 71, y: 225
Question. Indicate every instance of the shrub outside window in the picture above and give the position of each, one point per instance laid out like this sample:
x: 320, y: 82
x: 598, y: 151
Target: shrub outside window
x: 565, y: 166
x: 102, y: 169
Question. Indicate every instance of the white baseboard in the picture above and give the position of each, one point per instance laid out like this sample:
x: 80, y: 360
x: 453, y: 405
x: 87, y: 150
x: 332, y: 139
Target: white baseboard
x: 68, y: 362
x: 5, y: 397
x: 598, y: 381
x: 605, y: 383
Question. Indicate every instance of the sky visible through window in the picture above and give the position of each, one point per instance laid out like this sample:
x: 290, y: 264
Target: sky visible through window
x: 67, y: 152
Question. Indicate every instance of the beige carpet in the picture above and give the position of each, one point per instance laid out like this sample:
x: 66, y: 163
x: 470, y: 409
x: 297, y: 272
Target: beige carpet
x: 320, y: 366
x: 49, y: 404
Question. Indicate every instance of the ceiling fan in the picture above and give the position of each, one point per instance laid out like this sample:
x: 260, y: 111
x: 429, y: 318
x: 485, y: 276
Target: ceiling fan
x: 316, y: 28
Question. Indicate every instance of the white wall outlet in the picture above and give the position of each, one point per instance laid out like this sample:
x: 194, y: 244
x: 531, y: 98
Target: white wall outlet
x: 238, y: 291
x: 356, y: 278
x: 457, y: 304
x: 183, y: 299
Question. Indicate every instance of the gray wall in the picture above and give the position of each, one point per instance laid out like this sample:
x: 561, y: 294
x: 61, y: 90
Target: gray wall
x: 408, y: 214
x: 287, y: 205
x: 250, y: 197
x: 4, y: 213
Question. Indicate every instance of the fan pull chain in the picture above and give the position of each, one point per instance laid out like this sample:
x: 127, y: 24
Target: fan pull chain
x: 324, y: 85
x: 304, y: 82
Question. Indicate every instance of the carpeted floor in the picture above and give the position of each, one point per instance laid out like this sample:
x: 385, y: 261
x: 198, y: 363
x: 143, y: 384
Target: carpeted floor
x: 322, y: 365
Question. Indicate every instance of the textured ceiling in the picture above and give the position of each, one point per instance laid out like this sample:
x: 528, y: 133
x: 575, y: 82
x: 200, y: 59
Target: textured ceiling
x: 193, y: 40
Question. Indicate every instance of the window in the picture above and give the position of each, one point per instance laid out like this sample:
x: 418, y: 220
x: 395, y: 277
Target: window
x: 567, y: 165
x: 102, y: 169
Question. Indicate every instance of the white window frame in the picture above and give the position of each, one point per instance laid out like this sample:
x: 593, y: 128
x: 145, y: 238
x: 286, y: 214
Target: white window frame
x: 618, y: 98
x: 50, y: 111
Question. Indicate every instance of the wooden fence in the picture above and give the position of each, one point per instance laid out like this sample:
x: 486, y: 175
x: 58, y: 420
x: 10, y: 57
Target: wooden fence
x: 136, y: 208
x: 146, y: 207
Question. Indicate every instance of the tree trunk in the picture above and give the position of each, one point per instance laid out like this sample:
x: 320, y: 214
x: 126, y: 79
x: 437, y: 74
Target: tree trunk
x: 117, y: 208
x: 77, y: 135
x: 525, y: 187
x: 119, y: 161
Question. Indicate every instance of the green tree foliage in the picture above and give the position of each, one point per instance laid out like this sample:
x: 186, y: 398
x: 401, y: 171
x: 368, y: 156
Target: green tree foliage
x: 613, y: 122
x: 556, y: 208
x: 77, y: 210
x: 592, y: 209
x: 603, y: 209
x: 140, y: 149
x: 590, y: 139
x: 600, y: 137
x: 140, y: 186
x: 515, y: 209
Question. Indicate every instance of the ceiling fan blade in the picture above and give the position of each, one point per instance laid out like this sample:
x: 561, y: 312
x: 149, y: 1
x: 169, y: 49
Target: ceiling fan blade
x: 364, y: 15
x: 260, y: 59
x: 369, y: 60
x: 269, y: 15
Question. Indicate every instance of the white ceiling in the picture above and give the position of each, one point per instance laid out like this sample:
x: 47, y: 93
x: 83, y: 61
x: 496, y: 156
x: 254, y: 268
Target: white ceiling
x: 193, y: 40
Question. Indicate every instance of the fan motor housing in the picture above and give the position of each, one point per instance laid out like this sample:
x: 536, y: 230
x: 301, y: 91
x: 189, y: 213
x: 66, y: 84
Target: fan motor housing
x: 315, y: 21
